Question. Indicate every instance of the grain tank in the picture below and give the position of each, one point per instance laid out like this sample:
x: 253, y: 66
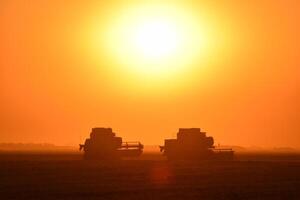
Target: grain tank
x: 103, y: 144
x: 191, y: 143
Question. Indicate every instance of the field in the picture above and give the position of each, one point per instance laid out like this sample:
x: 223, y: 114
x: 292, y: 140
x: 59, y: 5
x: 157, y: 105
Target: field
x: 67, y: 176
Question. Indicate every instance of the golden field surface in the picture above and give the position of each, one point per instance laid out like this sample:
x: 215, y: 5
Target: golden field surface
x: 64, y: 175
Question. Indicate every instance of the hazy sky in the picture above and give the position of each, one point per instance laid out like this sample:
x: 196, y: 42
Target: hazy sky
x: 58, y: 78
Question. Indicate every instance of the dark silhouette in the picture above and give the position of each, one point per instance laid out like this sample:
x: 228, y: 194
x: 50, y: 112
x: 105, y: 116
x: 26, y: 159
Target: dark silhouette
x: 191, y: 143
x: 103, y: 144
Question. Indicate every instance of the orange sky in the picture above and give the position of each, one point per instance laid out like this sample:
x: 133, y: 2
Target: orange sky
x: 55, y: 86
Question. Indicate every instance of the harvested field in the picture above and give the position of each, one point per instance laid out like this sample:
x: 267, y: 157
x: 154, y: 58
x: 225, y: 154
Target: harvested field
x: 66, y: 176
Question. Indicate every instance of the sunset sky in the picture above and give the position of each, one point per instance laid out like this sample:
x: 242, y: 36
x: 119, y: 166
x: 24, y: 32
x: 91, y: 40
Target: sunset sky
x: 146, y: 68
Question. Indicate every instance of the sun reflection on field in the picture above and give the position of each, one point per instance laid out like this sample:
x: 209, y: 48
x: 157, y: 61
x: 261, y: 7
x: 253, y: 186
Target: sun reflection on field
x: 161, y: 174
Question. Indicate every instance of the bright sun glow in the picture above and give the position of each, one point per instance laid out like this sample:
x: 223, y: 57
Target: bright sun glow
x: 155, y: 41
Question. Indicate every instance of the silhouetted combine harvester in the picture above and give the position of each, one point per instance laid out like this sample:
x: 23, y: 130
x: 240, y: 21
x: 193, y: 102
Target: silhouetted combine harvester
x: 104, y: 145
x: 192, y: 144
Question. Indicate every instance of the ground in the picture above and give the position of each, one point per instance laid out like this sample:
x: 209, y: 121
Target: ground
x: 67, y: 176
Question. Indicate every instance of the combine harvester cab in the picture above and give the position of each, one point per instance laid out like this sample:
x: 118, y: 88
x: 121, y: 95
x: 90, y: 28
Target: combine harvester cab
x: 104, y: 145
x: 192, y: 144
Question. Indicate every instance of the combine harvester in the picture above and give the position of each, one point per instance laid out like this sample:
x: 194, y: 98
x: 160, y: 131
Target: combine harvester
x: 192, y: 144
x: 104, y: 145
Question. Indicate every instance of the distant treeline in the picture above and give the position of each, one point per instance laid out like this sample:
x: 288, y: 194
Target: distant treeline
x: 32, y: 147
x: 148, y: 148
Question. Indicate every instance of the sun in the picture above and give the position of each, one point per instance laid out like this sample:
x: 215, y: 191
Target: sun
x: 154, y: 41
